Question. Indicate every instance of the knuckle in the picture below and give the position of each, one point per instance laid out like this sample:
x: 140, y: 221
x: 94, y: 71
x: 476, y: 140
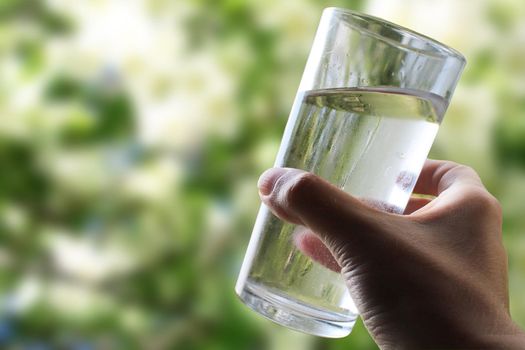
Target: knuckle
x: 483, y: 201
x: 451, y: 170
x: 467, y: 170
x: 494, y: 205
x: 455, y: 169
x: 448, y: 166
x: 461, y: 168
x: 299, y: 188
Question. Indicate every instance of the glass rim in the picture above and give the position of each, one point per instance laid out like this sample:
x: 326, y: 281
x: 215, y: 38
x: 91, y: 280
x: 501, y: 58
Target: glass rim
x: 438, y: 48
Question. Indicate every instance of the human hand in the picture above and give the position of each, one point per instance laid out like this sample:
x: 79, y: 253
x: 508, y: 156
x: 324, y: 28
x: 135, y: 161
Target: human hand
x: 435, y: 277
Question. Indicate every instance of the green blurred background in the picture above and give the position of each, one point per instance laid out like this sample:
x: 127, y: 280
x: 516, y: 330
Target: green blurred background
x: 132, y: 134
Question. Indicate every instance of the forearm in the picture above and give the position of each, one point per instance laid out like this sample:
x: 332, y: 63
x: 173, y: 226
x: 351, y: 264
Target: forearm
x: 512, y: 338
x: 417, y: 324
x: 508, y: 338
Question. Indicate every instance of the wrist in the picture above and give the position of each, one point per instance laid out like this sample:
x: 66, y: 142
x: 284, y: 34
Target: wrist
x: 509, y: 337
x: 453, y: 331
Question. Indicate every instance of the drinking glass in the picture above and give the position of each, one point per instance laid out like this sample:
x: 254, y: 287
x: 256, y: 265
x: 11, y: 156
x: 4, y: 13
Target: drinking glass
x: 367, y: 110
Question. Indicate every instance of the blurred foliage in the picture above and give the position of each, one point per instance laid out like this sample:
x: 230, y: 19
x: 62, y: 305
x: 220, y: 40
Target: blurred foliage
x: 37, y: 12
x: 111, y: 109
x: 132, y: 136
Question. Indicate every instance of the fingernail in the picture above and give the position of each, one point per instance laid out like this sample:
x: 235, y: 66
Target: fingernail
x: 268, y: 180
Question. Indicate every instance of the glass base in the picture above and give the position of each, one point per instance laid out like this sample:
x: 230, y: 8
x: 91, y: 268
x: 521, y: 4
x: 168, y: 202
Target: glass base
x: 294, y: 314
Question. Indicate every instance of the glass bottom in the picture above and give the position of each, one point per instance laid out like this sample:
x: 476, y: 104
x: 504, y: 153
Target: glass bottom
x: 295, y: 314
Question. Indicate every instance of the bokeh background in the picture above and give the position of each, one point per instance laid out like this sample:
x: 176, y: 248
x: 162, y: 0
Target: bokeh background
x: 132, y: 134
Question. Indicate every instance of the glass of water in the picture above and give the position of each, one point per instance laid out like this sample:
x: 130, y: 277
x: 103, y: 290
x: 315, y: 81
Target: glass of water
x: 366, y: 113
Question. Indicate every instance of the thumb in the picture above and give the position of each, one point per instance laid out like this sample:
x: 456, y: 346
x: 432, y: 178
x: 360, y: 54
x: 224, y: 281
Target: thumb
x: 347, y: 226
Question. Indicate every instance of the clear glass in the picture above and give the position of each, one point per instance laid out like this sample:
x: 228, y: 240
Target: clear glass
x: 368, y: 108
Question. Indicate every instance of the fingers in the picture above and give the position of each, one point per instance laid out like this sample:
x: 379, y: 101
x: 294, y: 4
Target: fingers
x: 341, y: 221
x: 386, y: 207
x: 310, y: 244
x: 459, y: 192
x: 416, y: 203
x: 438, y: 175
x: 303, y: 198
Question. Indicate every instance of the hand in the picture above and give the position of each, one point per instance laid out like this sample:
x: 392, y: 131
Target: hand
x: 435, y: 277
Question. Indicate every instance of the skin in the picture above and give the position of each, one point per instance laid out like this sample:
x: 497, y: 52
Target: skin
x: 435, y: 277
